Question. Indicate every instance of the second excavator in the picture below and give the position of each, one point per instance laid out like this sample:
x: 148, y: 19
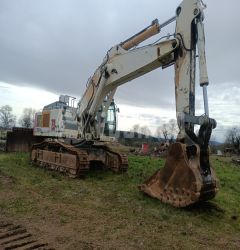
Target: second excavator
x: 187, y: 176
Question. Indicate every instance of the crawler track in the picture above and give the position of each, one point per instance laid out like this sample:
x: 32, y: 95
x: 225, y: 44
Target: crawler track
x: 17, y: 237
x: 60, y: 157
x: 75, y: 161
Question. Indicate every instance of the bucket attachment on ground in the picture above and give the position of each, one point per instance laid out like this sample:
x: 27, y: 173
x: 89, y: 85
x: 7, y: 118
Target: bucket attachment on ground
x: 182, y: 181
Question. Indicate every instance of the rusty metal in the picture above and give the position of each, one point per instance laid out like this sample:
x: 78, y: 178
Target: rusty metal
x: 21, y: 139
x: 17, y: 237
x: 61, y: 157
x: 181, y: 182
x: 75, y: 161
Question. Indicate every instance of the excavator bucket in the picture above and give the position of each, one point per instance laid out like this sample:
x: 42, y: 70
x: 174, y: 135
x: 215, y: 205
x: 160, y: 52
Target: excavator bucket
x: 182, y: 181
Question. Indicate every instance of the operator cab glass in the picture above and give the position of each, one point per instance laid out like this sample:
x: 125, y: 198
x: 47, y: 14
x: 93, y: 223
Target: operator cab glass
x: 110, y: 122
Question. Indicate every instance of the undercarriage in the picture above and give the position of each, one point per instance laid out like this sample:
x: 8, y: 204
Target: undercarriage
x: 76, y: 160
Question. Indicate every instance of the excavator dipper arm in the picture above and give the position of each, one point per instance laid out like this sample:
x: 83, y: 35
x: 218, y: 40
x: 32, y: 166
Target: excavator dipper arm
x: 187, y: 176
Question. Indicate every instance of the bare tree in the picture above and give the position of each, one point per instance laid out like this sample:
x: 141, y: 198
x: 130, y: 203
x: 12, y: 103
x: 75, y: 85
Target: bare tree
x: 145, y: 130
x: 136, y: 128
x: 7, y: 119
x: 233, y: 138
x: 27, y: 118
x: 168, y: 130
x: 173, y: 129
x: 165, y: 131
x: 162, y: 131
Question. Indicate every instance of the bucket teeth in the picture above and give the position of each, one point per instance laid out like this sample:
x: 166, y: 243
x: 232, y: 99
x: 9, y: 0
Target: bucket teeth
x: 180, y: 182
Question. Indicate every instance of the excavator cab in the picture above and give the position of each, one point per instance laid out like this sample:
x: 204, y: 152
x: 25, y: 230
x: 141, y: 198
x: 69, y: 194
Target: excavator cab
x: 106, y: 120
x: 111, y: 120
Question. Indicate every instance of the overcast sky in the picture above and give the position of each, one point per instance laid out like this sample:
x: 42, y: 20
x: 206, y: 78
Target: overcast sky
x: 52, y: 47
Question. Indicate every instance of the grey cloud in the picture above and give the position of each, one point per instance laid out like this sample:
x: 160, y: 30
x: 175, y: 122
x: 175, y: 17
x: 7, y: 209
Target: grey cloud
x: 220, y: 132
x: 151, y: 119
x: 58, y: 44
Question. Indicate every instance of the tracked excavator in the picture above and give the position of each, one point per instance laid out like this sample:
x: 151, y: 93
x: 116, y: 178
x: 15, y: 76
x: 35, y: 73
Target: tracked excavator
x: 187, y: 176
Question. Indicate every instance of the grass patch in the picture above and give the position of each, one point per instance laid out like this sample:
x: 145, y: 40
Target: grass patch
x: 108, y: 207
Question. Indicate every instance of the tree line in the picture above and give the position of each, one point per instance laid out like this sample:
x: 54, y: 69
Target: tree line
x: 9, y: 120
x: 167, y: 131
x: 233, y: 139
